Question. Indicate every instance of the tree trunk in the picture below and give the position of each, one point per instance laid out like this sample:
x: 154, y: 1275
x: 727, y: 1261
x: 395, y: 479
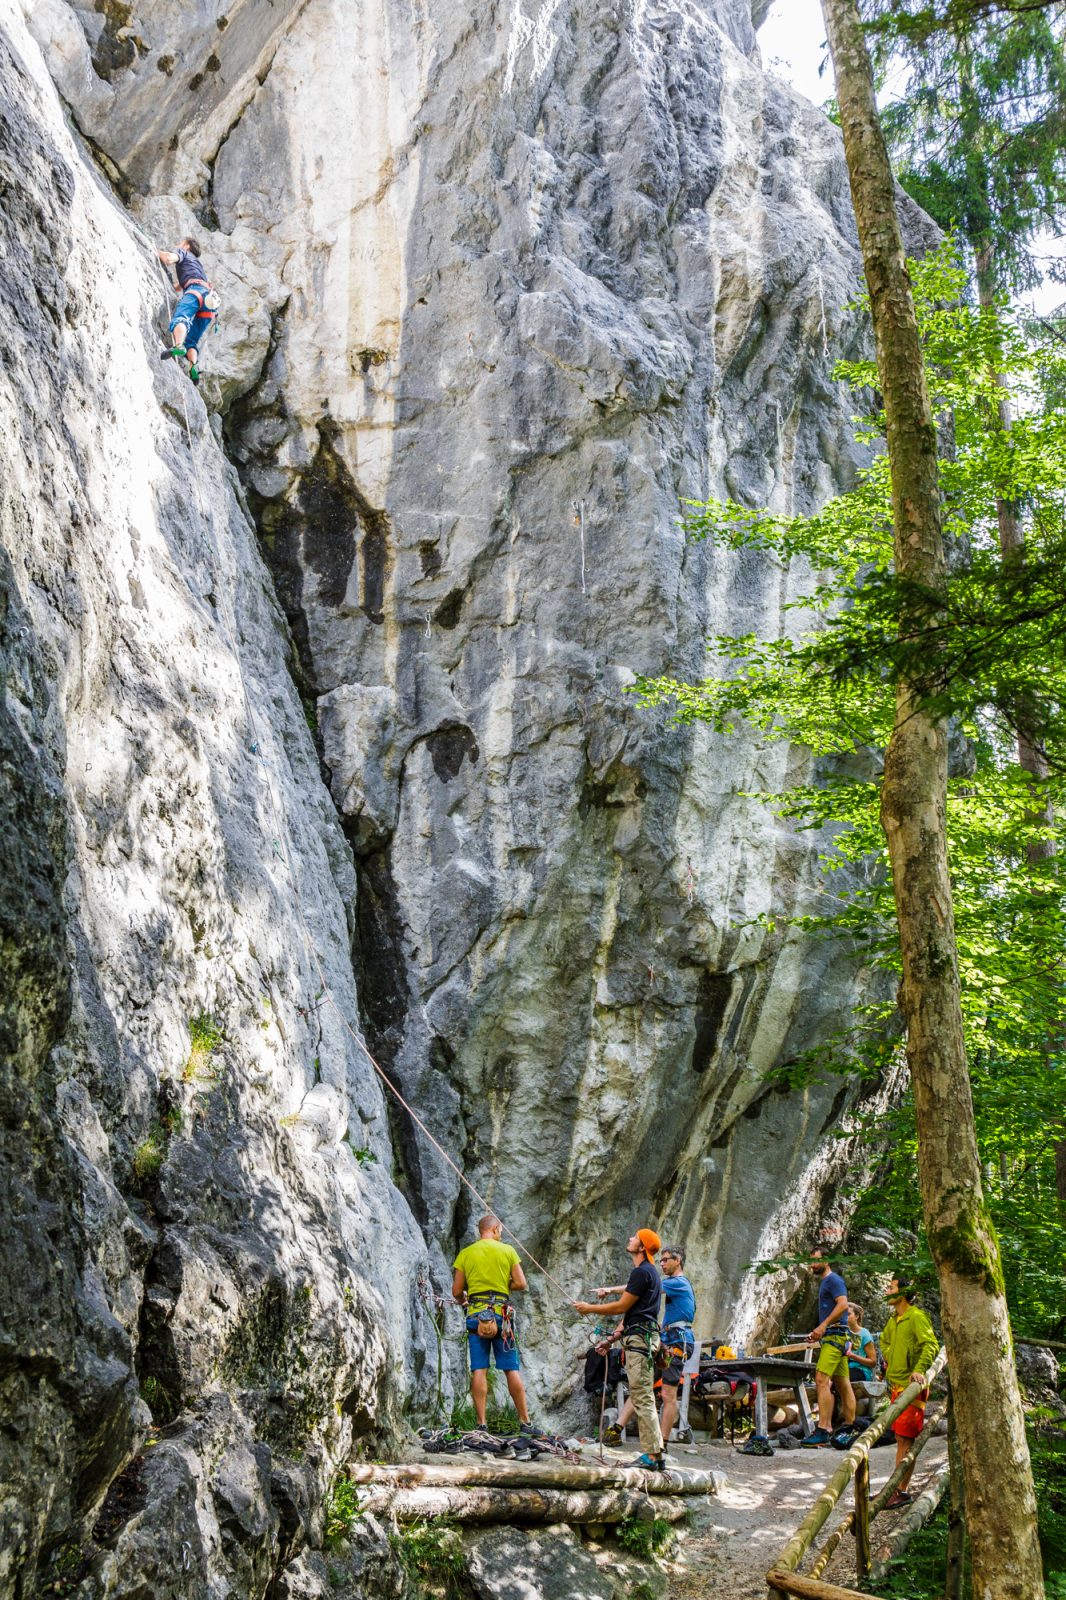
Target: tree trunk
x: 1031, y: 756
x: 999, y: 1486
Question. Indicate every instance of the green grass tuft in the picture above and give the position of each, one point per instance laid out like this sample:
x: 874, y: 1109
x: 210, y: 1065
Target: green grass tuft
x: 644, y: 1539
x: 342, y: 1509
x: 432, y: 1555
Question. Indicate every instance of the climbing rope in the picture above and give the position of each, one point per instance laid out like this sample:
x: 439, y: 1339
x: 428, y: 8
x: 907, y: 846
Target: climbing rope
x: 280, y: 847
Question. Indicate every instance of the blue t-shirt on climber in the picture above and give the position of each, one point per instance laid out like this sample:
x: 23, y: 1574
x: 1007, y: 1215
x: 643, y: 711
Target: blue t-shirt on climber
x: 679, y: 1300
x: 830, y: 1289
x: 189, y: 269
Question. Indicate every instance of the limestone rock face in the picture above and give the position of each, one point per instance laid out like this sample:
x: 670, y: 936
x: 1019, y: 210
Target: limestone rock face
x: 502, y: 291
x: 503, y: 286
x: 189, y: 1233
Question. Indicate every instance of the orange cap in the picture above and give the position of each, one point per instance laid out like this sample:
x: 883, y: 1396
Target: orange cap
x: 650, y: 1240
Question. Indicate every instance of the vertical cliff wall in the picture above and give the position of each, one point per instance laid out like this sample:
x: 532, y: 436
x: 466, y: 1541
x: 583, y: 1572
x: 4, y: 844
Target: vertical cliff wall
x: 187, y: 1226
x: 502, y: 289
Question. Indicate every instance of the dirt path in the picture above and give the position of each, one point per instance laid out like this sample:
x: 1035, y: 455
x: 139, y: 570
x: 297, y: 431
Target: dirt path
x: 733, y: 1537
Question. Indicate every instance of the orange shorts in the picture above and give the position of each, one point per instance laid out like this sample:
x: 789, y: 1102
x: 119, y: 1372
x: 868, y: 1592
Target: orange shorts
x: 909, y: 1423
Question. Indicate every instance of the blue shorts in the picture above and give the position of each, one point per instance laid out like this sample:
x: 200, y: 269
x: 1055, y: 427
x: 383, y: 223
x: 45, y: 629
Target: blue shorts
x: 187, y: 310
x: 504, y: 1355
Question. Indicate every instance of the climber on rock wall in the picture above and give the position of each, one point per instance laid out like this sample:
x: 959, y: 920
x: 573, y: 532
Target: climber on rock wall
x: 197, y: 306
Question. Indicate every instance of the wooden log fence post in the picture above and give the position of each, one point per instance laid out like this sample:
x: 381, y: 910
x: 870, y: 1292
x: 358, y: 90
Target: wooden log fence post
x: 877, y: 1505
x: 956, y: 1512
x: 862, y: 1517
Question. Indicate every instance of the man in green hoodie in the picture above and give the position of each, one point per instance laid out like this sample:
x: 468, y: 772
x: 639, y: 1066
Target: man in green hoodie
x: 908, y: 1346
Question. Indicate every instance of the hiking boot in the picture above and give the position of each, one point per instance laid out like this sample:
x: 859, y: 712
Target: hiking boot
x: 817, y: 1440
x: 899, y: 1499
x: 612, y: 1435
x: 650, y: 1463
x: 757, y: 1445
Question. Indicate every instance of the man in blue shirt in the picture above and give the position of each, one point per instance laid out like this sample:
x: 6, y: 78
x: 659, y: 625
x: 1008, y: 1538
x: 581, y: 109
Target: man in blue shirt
x: 679, y: 1310
x: 832, y: 1369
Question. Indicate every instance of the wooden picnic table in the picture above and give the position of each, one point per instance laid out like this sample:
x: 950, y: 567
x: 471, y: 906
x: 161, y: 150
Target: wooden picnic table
x: 777, y: 1372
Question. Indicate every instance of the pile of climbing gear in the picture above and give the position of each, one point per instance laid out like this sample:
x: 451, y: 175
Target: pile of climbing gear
x: 528, y: 1445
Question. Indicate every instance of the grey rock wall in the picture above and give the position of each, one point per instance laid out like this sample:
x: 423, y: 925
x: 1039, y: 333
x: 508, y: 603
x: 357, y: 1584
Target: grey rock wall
x: 205, y: 1294
x: 502, y: 289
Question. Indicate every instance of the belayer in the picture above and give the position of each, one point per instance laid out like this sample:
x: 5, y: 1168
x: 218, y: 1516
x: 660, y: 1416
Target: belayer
x: 197, y: 307
x: 638, y: 1306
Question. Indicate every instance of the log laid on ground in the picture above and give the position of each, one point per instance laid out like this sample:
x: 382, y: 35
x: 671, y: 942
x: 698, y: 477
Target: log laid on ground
x: 554, y: 1474
x: 913, y: 1518
x: 481, y: 1504
x: 790, y: 1583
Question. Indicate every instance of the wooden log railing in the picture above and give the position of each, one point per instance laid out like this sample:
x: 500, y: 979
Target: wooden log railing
x: 783, y: 1578
x: 878, y: 1503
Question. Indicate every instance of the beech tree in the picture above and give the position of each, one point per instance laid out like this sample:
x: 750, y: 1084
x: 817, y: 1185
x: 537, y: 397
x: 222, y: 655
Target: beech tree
x: 1001, y: 1504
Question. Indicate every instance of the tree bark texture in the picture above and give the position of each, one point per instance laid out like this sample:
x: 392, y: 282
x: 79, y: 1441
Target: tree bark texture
x: 999, y: 1487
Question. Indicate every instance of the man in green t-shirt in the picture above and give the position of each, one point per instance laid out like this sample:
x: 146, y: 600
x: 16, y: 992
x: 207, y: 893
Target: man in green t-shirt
x: 486, y: 1274
x: 908, y: 1346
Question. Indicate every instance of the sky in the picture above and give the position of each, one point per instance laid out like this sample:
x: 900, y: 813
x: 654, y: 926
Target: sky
x: 792, y: 42
x: 792, y: 45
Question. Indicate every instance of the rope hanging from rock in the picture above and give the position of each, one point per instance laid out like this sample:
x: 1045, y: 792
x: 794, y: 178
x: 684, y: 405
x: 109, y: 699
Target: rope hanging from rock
x: 280, y: 849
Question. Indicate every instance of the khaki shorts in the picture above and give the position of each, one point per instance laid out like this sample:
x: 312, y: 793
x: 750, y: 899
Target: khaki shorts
x: 832, y: 1360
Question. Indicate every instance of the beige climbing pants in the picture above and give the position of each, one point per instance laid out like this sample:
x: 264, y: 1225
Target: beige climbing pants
x: 640, y: 1372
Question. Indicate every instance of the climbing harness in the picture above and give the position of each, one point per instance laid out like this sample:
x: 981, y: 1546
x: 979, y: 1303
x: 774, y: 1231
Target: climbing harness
x: 208, y: 300
x: 493, y: 1316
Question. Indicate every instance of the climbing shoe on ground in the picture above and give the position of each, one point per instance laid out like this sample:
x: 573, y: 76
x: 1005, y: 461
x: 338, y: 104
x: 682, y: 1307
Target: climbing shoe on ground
x: 612, y: 1435
x: 846, y: 1436
x: 757, y: 1445
x: 650, y: 1463
x: 818, y: 1439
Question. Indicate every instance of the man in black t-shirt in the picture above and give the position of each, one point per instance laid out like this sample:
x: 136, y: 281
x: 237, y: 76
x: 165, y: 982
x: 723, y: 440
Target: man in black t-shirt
x: 638, y: 1307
